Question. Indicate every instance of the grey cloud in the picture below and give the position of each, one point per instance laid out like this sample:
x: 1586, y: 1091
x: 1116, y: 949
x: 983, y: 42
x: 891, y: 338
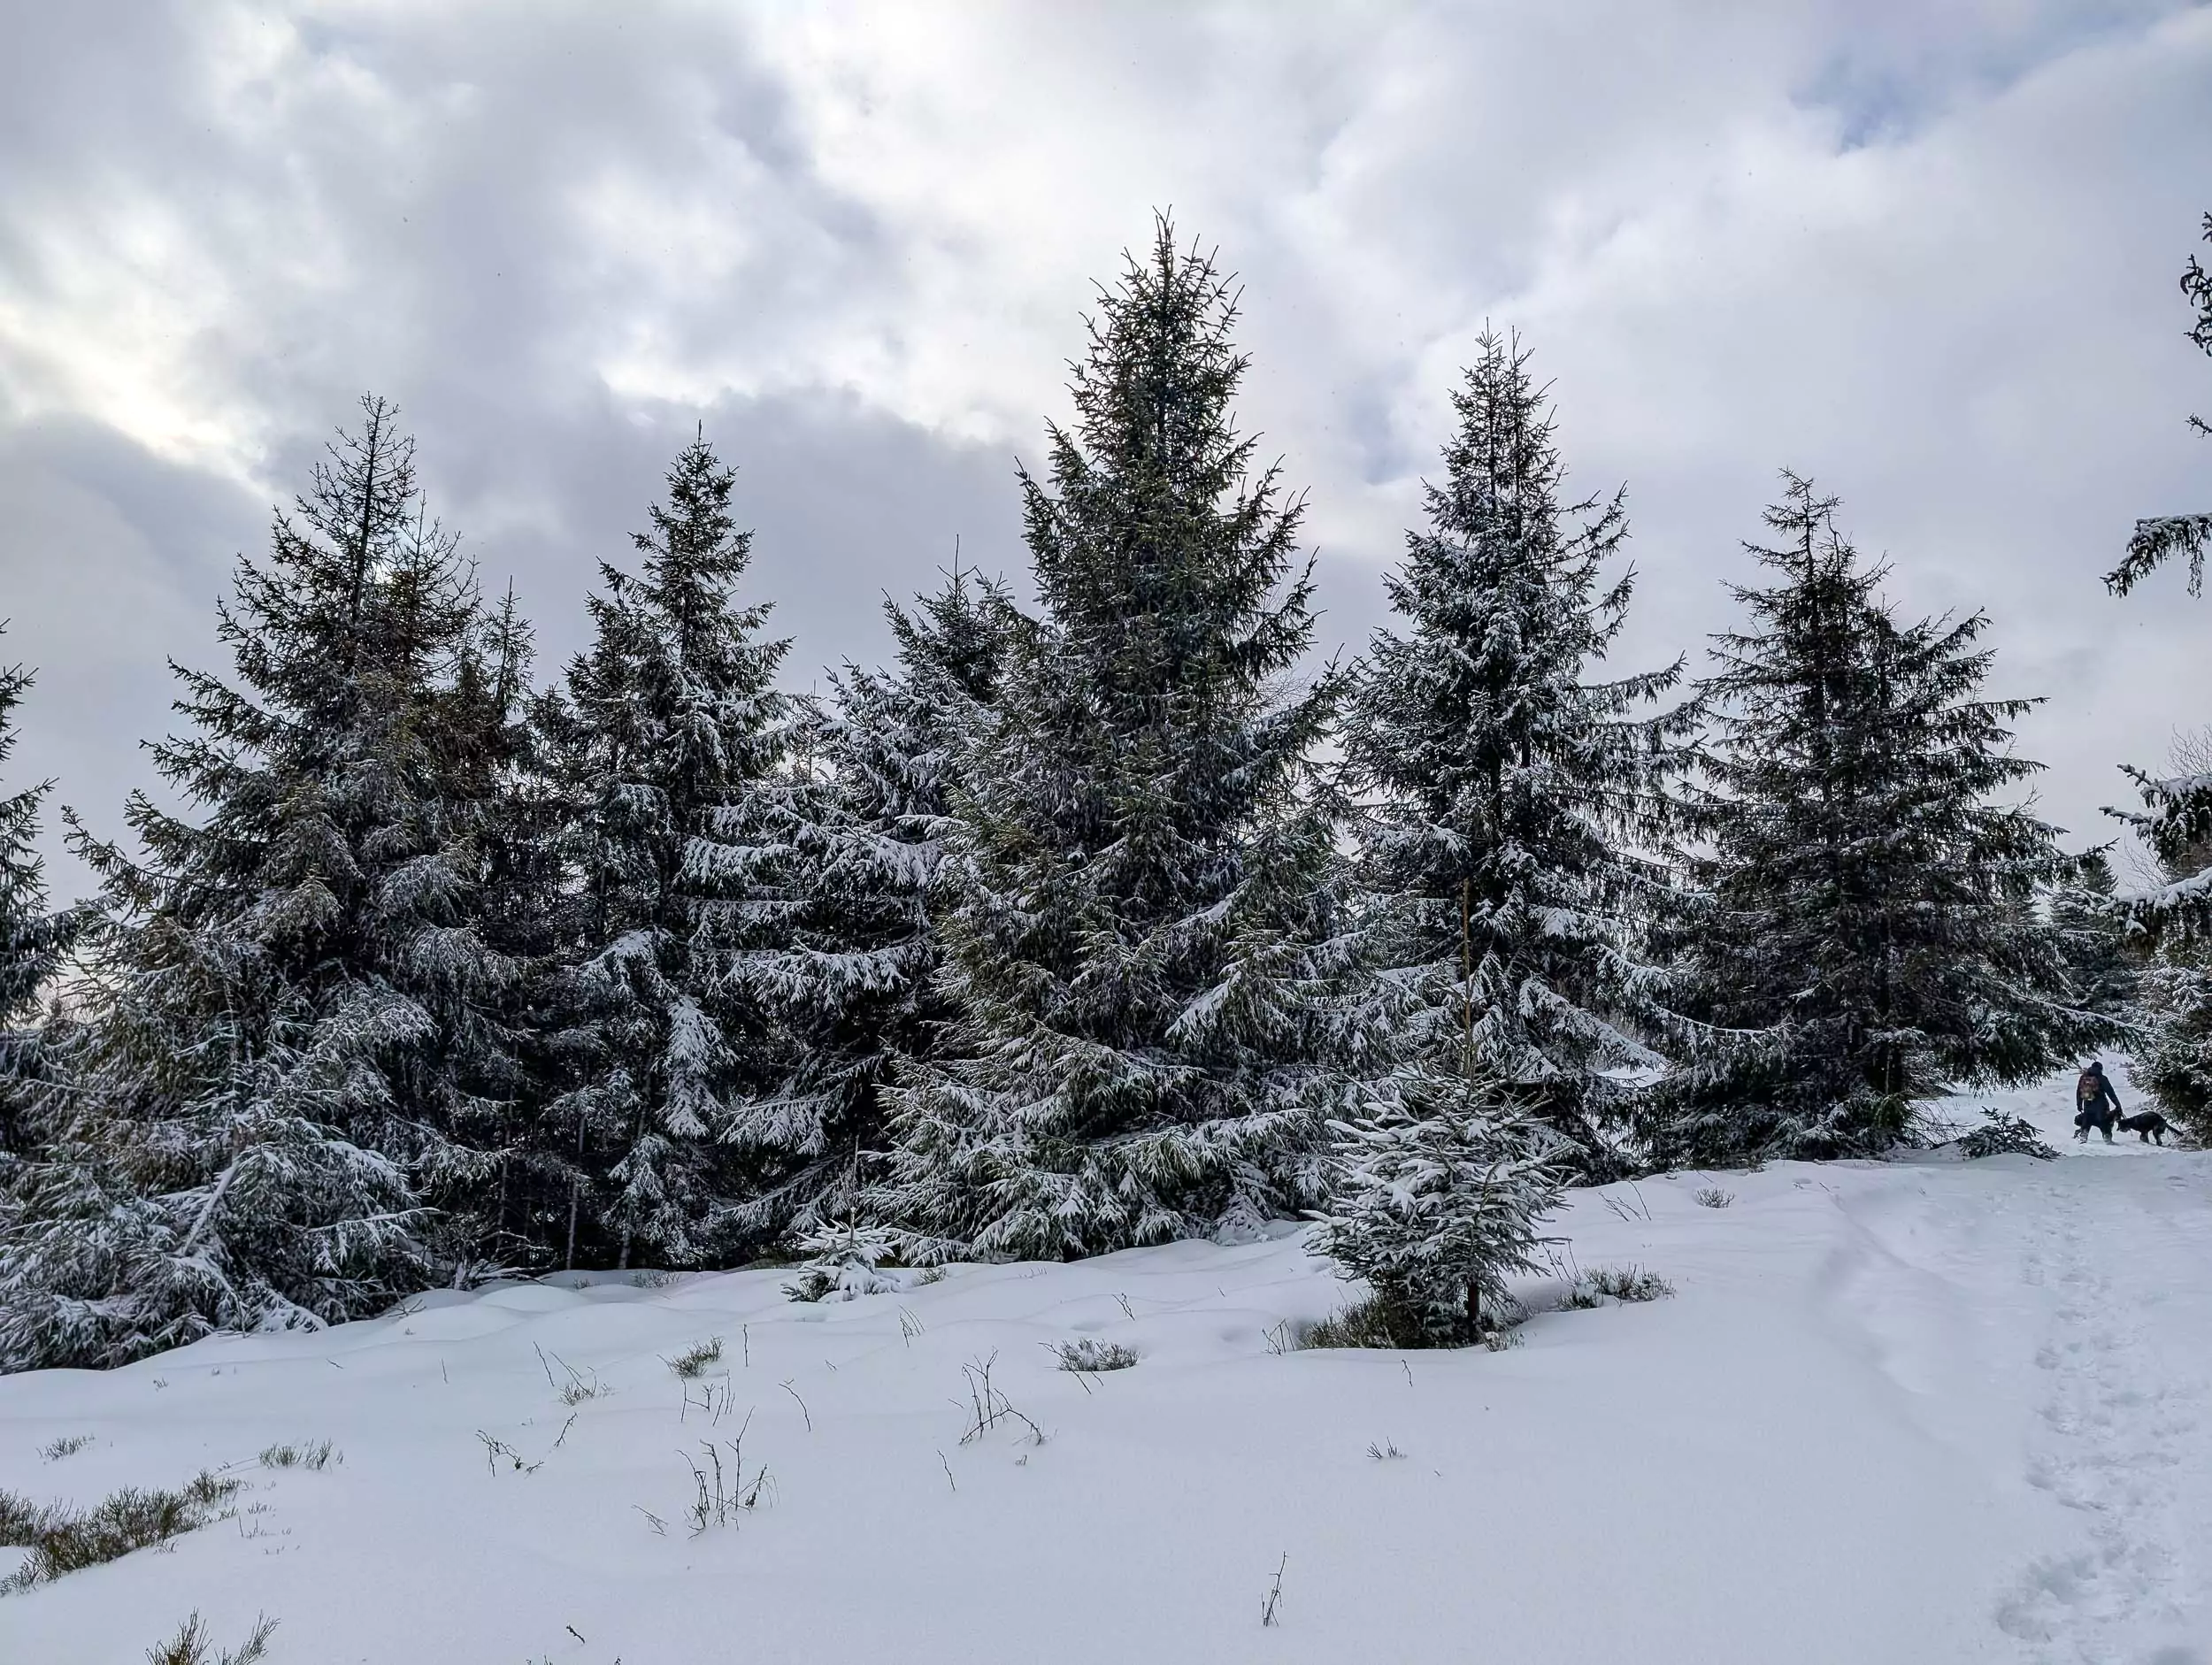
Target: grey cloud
x: 847, y: 504
x: 1892, y: 66
x: 113, y: 560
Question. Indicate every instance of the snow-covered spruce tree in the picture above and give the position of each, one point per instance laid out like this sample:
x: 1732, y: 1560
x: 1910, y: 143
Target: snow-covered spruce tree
x: 672, y: 746
x: 1139, y: 905
x: 2176, y: 819
x: 853, y: 988
x: 1440, y: 1184
x: 503, y: 800
x: 840, y: 1261
x: 2175, y: 919
x: 2103, y: 964
x: 282, y: 1059
x: 1505, y: 793
x: 2173, y: 1060
x: 1857, y: 896
x: 32, y: 941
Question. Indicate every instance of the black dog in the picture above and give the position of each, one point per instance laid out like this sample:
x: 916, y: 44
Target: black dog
x: 2104, y: 1119
x: 2146, y: 1124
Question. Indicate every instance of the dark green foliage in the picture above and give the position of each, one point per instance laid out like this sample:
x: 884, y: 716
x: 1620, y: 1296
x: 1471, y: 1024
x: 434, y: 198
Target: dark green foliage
x: 1434, y: 1197
x: 2175, y: 919
x: 1862, y: 911
x: 670, y: 753
x: 294, y: 1043
x: 1385, y: 1324
x: 1505, y: 796
x: 2003, y: 1135
x: 1138, y: 907
x: 32, y: 941
x: 2103, y: 958
x: 855, y: 982
x: 2172, y: 1059
x: 523, y: 895
x: 2175, y: 825
x: 2174, y: 1063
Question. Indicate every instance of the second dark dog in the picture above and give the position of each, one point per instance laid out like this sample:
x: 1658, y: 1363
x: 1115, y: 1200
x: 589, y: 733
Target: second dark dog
x: 2146, y: 1124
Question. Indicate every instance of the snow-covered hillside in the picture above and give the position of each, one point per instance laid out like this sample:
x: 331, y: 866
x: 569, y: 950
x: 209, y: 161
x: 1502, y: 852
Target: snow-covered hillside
x: 1926, y: 1411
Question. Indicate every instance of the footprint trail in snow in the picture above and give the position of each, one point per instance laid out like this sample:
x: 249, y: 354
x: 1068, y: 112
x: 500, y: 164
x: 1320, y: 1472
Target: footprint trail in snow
x: 2116, y: 1252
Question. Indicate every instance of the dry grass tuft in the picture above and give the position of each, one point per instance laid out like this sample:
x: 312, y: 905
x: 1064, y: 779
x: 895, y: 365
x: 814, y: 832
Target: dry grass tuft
x: 63, y: 1539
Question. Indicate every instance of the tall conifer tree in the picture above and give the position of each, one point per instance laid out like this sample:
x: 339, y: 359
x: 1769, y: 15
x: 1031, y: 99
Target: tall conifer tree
x: 1508, y: 792
x: 2175, y: 919
x: 2172, y: 1055
x: 673, y: 744
x: 512, y: 815
x: 2178, y: 815
x: 1141, y: 911
x: 2173, y: 1060
x: 2103, y: 964
x: 1861, y: 904
x: 285, y: 1059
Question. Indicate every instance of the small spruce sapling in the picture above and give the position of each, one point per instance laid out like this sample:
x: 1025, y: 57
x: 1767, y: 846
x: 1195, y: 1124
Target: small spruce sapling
x: 1440, y: 1187
x: 2003, y: 1135
x: 842, y: 1262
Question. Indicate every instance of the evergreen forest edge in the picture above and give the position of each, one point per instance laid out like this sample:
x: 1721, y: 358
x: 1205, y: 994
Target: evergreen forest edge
x: 1076, y: 927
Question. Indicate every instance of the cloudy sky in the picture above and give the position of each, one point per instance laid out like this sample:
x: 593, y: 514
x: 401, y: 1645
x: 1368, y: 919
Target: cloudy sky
x: 1924, y: 249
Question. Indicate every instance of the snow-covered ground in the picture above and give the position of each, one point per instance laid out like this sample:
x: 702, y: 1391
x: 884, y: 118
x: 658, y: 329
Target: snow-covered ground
x: 1925, y: 1411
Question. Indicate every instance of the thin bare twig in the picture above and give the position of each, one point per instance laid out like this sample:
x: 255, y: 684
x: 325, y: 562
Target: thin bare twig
x: 803, y: 1411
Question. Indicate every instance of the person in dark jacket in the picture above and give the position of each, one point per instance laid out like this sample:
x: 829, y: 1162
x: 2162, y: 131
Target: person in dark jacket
x: 2095, y: 1103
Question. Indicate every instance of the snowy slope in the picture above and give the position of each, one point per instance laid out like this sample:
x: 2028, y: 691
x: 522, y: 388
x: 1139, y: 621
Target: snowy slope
x: 1927, y: 1411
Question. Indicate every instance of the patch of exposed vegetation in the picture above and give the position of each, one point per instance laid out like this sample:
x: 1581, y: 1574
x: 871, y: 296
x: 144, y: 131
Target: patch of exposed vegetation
x: 62, y: 1538
x: 314, y: 1455
x: 1089, y: 1356
x: 693, y: 1360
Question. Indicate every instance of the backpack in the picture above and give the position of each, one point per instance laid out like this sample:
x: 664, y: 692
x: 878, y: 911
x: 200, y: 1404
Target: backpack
x: 2088, y: 1090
